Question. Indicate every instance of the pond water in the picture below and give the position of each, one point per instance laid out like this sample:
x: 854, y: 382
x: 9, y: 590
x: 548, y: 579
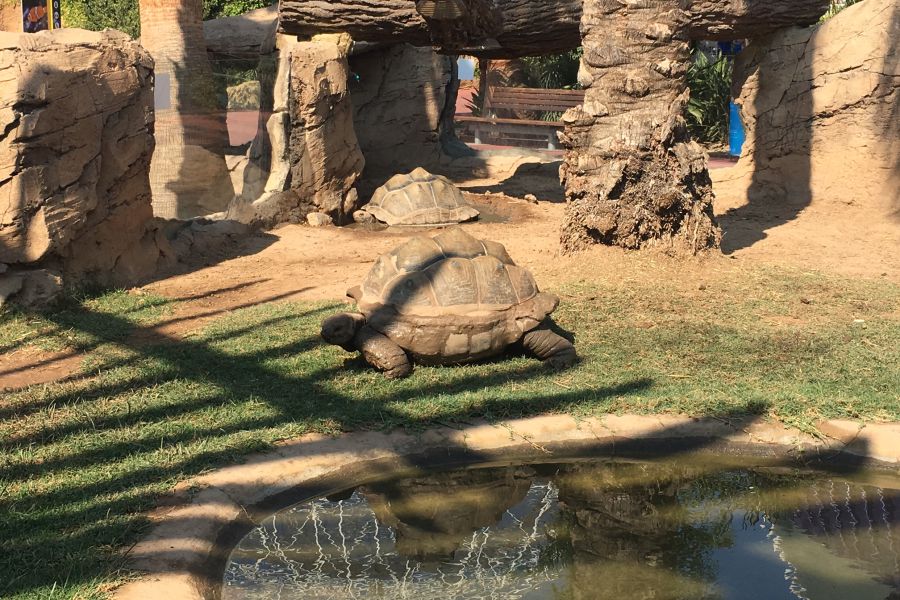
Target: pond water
x: 583, y: 530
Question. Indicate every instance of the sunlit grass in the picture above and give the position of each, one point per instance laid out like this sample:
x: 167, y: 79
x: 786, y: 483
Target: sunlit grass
x: 80, y: 461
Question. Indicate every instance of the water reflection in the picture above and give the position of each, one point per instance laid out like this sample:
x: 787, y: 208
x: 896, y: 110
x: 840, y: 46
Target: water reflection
x: 579, y: 531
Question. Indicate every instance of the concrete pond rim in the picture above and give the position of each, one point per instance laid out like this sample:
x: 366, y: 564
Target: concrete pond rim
x: 185, y: 554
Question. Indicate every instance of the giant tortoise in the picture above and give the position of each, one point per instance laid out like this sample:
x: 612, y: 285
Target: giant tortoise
x: 449, y: 299
x: 418, y: 198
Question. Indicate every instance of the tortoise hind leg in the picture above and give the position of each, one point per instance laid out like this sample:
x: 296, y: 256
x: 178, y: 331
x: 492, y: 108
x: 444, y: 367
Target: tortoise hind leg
x: 550, y: 347
x: 382, y: 353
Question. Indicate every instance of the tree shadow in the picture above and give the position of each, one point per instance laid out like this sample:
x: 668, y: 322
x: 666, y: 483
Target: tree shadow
x: 106, y: 510
x: 540, y: 179
x: 82, y: 506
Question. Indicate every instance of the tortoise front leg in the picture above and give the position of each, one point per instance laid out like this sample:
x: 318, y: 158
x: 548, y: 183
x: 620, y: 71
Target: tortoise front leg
x: 556, y: 350
x: 383, y: 354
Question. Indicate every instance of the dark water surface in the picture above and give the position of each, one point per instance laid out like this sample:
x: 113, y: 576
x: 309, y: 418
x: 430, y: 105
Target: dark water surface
x: 585, y: 530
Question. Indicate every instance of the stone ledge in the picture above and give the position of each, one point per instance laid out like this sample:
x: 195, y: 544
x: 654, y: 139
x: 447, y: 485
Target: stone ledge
x: 184, y: 555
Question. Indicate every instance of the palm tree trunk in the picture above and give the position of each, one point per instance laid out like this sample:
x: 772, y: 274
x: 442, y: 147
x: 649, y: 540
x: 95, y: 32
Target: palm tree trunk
x: 188, y: 174
x: 632, y: 176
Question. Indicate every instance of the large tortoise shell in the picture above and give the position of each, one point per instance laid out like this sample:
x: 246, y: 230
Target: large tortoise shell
x: 429, y: 276
x: 420, y: 198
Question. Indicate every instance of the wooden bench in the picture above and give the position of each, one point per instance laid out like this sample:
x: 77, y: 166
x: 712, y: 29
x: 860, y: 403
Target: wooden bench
x: 511, y: 100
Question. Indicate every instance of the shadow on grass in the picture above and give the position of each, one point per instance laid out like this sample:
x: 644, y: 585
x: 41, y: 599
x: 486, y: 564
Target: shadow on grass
x: 226, y: 398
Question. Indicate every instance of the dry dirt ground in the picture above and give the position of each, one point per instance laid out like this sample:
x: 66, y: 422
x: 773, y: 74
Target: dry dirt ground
x: 297, y: 262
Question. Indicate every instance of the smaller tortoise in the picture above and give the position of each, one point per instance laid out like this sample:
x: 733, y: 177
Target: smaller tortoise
x: 418, y: 198
x: 450, y: 299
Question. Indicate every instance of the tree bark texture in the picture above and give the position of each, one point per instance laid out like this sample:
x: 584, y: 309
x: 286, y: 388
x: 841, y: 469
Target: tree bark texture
x: 528, y: 27
x: 326, y: 161
x: 391, y: 21
x: 188, y: 174
x: 632, y: 177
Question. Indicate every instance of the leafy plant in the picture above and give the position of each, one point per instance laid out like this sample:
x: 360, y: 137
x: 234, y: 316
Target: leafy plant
x: 125, y: 15
x: 214, y: 9
x: 836, y: 7
x: 100, y: 14
x: 553, y: 71
x: 476, y: 103
x: 710, y: 84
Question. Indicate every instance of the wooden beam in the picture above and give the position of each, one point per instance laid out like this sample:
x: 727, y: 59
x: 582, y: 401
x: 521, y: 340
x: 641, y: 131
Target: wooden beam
x: 526, y: 27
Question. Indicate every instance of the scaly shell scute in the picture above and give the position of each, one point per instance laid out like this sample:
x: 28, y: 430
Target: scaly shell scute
x: 420, y: 198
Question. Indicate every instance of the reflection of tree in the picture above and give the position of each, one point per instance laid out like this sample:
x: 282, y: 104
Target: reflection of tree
x: 578, y: 532
x: 480, y: 534
x: 633, y: 537
x: 433, y: 515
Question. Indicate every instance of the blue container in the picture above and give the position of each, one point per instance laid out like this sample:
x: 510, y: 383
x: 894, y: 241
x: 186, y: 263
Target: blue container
x: 736, y: 133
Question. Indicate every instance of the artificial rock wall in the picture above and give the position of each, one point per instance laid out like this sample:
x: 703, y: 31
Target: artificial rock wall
x: 77, y: 111
x: 822, y: 111
x: 325, y: 159
x: 401, y: 95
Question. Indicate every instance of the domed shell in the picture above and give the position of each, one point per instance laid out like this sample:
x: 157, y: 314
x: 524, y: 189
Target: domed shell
x: 420, y: 198
x: 453, y: 270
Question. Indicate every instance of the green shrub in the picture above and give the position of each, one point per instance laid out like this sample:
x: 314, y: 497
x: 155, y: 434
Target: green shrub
x: 553, y: 71
x: 213, y: 9
x: 836, y: 7
x: 101, y: 14
x: 124, y: 15
x: 707, y: 110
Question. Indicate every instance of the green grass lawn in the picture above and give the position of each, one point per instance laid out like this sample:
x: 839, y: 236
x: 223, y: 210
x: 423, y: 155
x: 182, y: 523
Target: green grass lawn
x: 80, y: 461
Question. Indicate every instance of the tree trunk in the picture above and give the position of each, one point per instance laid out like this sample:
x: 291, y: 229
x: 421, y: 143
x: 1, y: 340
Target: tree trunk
x: 393, y: 21
x: 390, y: 21
x: 529, y: 27
x: 632, y: 177
x: 188, y: 174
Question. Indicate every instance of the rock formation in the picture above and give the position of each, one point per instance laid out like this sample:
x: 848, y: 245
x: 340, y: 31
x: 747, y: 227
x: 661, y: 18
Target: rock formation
x: 326, y: 161
x: 305, y: 158
x: 400, y: 95
x: 632, y: 176
x: 76, y: 110
x: 821, y: 108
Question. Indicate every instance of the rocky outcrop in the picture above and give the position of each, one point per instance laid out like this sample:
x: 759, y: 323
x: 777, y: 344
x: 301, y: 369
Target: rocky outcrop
x: 76, y: 111
x: 244, y: 36
x: 399, y: 95
x: 822, y: 111
x: 326, y: 161
x: 10, y: 17
x: 632, y: 177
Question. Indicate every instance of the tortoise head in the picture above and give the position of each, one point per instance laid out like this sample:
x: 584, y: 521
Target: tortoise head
x: 341, y: 329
